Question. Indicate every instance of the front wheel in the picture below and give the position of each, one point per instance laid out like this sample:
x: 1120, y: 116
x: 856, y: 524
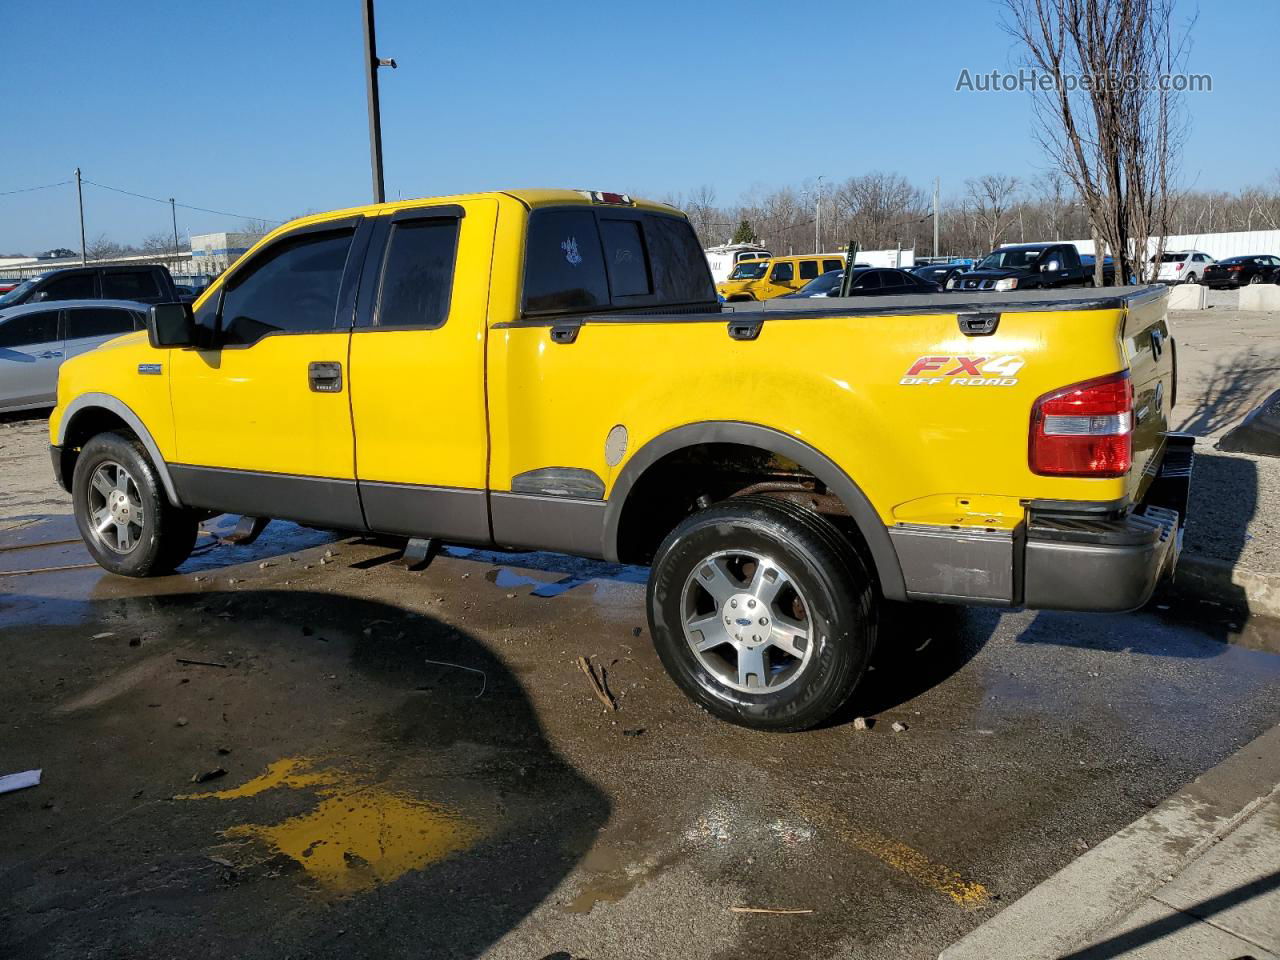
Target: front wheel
x: 1256, y: 278
x: 763, y: 613
x: 124, y: 517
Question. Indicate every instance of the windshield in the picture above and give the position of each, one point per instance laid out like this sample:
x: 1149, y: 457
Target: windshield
x: 16, y: 293
x: 1015, y: 259
x: 749, y: 270
x: 823, y: 285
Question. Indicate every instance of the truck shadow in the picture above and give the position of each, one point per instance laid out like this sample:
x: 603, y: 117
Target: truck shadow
x: 1233, y: 388
x: 398, y: 738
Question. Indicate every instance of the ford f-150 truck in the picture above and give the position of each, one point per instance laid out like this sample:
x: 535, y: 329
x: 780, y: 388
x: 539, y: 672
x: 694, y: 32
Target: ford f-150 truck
x: 551, y: 369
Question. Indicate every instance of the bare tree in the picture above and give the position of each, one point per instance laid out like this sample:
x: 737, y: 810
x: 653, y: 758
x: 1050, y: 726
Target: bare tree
x: 1109, y: 119
x: 103, y: 247
x: 991, y: 200
x: 880, y: 209
x: 159, y: 242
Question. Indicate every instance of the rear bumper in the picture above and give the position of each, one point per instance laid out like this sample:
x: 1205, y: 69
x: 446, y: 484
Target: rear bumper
x: 1060, y: 559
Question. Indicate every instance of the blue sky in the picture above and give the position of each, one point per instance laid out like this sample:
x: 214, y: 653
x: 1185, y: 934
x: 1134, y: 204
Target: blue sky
x: 258, y: 108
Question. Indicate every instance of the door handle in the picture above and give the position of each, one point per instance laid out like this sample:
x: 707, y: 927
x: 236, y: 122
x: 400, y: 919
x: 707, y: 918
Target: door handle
x: 565, y: 332
x: 325, y: 376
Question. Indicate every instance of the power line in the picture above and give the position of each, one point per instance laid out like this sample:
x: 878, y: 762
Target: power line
x: 185, y: 206
x: 47, y: 186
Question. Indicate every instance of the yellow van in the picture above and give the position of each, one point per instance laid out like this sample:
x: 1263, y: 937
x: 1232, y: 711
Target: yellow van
x: 765, y: 279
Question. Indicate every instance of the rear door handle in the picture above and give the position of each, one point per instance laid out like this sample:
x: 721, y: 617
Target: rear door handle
x: 325, y: 376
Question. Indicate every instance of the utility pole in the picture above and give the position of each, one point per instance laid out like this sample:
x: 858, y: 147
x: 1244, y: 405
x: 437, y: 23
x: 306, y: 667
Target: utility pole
x: 173, y: 209
x: 937, y: 186
x: 817, y: 218
x: 371, y: 64
x: 80, y: 196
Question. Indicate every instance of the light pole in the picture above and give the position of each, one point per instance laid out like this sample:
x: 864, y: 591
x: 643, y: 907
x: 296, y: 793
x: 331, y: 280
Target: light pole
x: 371, y: 64
x: 937, y: 187
x: 174, y: 211
x: 817, y: 217
x: 80, y: 197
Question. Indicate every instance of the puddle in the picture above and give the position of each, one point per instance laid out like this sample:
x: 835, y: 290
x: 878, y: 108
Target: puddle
x: 359, y: 835
x: 575, y: 571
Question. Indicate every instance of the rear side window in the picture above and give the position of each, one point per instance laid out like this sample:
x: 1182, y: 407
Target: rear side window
x: 782, y: 273
x: 808, y: 269
x: 417, y: 275
x: 98, y: 322
x: 625, y: 258
x: 75, y: 286
x: 680, y: 271
x: 291, y: 287
x: 129, y: 285
x: 29, y: 329
x: 829, y: 265
x: 564, y: 268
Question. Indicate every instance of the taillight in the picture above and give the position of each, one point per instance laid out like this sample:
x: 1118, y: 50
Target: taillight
x: 1084, y: 430
x: 1179, y: 266
x: 1233, y: 269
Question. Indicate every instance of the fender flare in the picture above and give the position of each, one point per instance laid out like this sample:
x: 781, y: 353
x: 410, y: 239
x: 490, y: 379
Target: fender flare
x: 104, y: 401
x: 872, y: 528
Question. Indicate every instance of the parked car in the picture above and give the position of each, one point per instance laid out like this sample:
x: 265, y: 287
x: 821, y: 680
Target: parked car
x: 939, y: 273
x: 36, y: 338
x: 1182, y: 266
x: 1237, y: 271
x: 142, y: 283
x: 777, y: 276
x: 1017, y: 457
x: 866, y: 282
x: 1028, y: 266
x: 7, y: 285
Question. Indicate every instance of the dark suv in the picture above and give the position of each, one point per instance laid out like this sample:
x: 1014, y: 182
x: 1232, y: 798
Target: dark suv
x: 143, y: 283
x: 1030, y: 266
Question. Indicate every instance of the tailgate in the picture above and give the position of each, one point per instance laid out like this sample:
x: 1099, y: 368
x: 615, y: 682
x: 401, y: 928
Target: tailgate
x: 1151, y: 355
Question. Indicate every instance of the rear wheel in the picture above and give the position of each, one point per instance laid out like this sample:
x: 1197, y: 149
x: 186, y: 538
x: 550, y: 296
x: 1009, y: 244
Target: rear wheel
x: 762, y: 613
x: 124, y: 517
x: 1192, y: 278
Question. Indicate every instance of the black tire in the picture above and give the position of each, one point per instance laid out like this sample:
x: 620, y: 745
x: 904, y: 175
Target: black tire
x: 1088, y: 282
x: 166, y: 534
x: 1192, y: 278
x: 1256, y: 278
x: 837, y: 600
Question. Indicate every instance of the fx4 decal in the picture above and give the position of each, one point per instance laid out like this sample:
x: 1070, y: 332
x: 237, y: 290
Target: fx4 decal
x: 964, y: 371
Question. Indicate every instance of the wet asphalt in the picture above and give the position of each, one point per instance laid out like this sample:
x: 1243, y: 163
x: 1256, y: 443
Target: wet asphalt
x: 412, y: 764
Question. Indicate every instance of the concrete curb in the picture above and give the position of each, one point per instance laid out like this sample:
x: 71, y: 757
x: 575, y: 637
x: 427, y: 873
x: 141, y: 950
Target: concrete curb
x: 1094, y: 892
x: 1223, y: 582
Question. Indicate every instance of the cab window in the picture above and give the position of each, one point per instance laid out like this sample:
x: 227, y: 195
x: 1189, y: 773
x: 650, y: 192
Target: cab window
x: 75, y: 286
x: 29, y: 329
x: 291, y: 287
x: 417, y: 275
x: 782, y: 273
x: 564, y: 268
x: 808, y: 269
x: 829, y: 265
x: 680, y: 271
x: 99, y: 322
x: 129, y: 285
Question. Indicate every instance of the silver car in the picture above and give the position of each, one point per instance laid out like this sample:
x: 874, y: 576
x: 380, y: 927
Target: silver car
x: 36, y: 337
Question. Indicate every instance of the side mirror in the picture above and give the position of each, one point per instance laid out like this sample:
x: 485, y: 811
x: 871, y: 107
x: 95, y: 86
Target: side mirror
x: 171, y: 325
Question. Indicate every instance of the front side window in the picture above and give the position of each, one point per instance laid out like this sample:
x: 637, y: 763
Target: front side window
x: 564, y: 267
x: 29, y: 329
x: 417, y: 275
x: 98, y: 322
x: 808, y: 269
x: 75, y: 286
x: 129, y: 285
x: 868, y: 281
x: 292, y: 287
x: 782, y: 273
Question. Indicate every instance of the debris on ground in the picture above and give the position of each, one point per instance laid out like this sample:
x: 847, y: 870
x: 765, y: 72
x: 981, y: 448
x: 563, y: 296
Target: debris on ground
x: 899, y: 727
x: 181, y: 722
x: 223, y: 751
x: 186, y: 662
x: 598, y: 684
x: 862, y: 723
x: 19, y: 781
x: 636, y: 631
x: 784, y: 912
x: 208, y: 775
x: 635, y: 732
x: 135, y: 641
x: 484, y: 677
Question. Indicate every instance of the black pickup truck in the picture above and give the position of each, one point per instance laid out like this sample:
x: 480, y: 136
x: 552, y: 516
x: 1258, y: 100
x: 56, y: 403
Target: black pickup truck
x: 1031, y: 266
x: 141, y: 283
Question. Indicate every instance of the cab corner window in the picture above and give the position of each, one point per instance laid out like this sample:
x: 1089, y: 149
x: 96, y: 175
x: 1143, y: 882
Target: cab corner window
x: 625, y: 258
x: 564, y: 269
x: 417, y: 275
x: 290, y: 287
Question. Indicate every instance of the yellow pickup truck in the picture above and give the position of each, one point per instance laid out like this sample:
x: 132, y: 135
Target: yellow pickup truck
x: 551, y: 369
